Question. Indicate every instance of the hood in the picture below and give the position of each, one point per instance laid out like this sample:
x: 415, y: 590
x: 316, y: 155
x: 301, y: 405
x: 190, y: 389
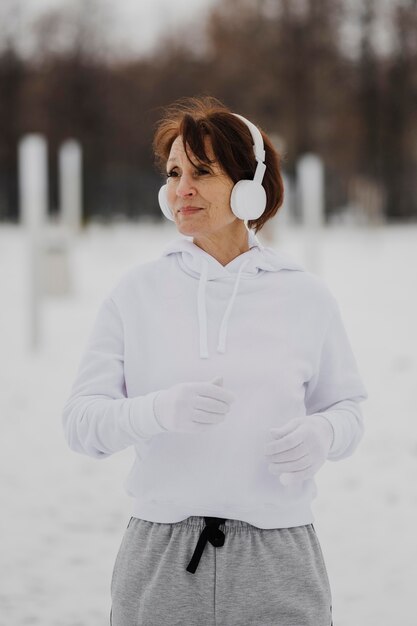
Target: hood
x: 251, y: 264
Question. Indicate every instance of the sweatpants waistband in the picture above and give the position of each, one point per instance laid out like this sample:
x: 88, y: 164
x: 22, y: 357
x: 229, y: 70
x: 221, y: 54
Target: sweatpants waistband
x: 197, y: 522
x: 210, y: 531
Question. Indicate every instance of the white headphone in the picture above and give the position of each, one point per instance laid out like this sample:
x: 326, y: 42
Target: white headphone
x: 248, y: 198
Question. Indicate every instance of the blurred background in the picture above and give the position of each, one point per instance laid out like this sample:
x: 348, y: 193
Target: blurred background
x: 334, y: 77
x: 334, y: 83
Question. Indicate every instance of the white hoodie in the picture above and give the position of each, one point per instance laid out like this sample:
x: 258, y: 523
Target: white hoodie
x: 271, y: 330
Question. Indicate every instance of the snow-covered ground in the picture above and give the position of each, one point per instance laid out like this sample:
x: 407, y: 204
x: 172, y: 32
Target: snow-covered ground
x: 63, y: 515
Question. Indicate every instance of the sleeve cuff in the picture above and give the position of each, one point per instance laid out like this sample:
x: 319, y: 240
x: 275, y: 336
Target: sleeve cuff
x: 347, y: 424
x: 143, y: 419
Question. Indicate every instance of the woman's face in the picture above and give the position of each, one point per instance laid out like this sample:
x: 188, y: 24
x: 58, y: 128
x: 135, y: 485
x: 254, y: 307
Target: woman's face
x: 199, y: 198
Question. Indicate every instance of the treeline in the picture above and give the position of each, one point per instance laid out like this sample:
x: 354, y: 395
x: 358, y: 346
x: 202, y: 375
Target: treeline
x: 283, y: 63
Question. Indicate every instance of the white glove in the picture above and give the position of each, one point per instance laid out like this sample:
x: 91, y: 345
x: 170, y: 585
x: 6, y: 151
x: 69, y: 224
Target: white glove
x: 192, y: 407
x: 299, y: 448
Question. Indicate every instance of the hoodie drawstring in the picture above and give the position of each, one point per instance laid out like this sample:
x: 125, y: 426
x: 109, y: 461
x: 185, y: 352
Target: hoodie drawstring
x: 202, y: 311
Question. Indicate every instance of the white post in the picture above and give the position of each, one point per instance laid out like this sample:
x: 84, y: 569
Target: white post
x: 33, y: 194
x: 70, y: 185
x: 310, y: 174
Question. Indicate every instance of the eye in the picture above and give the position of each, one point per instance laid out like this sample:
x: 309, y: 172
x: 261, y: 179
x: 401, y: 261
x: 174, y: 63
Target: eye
x: 202, y: 171
x: 172, y: 174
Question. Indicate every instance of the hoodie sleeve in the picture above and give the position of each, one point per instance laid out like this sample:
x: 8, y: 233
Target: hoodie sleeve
x: 335, y: 390
x: 98, y: 418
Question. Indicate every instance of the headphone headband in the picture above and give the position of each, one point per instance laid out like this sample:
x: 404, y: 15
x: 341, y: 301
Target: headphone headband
x: 258, y: 142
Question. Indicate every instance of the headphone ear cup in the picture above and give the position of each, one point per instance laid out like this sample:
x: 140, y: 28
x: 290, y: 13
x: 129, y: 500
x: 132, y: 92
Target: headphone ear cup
x: 163, y: 203
x: 248, y: 200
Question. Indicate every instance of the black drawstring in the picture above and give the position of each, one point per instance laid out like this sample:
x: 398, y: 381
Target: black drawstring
x: 211, y: 533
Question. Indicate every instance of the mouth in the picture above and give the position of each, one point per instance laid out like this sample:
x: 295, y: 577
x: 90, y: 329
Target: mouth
x: 187, y: 210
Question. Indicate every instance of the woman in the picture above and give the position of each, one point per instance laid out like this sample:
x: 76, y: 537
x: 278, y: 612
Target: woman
x: 227, y: 366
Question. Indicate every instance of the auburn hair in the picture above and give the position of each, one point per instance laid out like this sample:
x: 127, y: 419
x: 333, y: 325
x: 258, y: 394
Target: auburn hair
x: 196, y: 118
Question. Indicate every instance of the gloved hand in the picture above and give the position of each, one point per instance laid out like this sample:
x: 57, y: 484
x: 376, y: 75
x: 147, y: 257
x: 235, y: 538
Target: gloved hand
x: 299, y: 448
x: 192, y: 407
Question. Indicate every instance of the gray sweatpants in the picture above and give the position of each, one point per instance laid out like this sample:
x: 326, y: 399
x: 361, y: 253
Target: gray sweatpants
x: 208, y: 571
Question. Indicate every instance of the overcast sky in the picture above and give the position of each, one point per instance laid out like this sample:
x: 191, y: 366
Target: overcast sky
x: 134, y: 22
x: 134, y: 25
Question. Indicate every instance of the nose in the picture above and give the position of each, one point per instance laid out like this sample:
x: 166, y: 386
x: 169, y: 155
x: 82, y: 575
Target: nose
x: 185, y: 186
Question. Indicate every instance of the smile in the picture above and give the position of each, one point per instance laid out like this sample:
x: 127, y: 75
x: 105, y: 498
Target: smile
x: 189, y: 210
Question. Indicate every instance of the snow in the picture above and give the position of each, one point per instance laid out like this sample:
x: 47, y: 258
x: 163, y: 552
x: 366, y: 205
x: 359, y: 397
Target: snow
x: 63, y: 514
